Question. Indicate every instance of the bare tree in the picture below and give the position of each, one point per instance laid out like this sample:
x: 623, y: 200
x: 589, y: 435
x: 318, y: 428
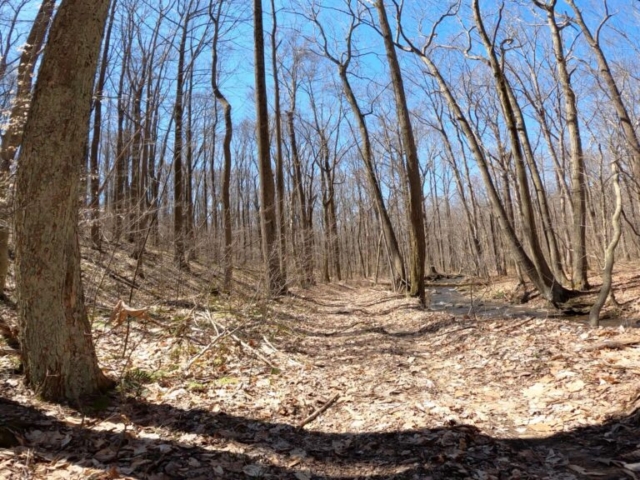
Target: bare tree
x: 268, y: 214
x: 94, y: 165
x: 216, y: 14
x: 416, y: 214
x: 301, y: 199
x: 10, y: 37
x: 609, y: 254
x: 178, y: 178
x: 578, y: 196
x: 58, y: 352
x: 541, y: 276
x: 604, y: 70
x: 281, y: 207
x: 342, y: 62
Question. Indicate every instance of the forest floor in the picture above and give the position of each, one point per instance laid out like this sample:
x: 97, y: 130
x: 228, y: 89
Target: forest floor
x: 339, y: 381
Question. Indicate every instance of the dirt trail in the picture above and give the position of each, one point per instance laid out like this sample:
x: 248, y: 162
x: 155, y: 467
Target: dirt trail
x: 402, y: 369
x: 384, y: 350
x: 421, y: 395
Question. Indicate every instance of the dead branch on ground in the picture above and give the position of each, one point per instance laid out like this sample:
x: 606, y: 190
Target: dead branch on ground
x: 319, y: 411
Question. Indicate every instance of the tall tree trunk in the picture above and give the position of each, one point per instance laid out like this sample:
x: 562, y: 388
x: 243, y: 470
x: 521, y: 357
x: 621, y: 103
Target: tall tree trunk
x: 326, y: 220
x: 282, y: 232
x: 578, y: 197
x: 190, y: 233
x: 551, y: 290
x: 529, y: 223
x: 227, y: 256
x: 609, y: 255
x: 275, y: 282
x: 135, y: 190
x: 94, y: 160
x: 398, y: 274
x: 214, y: 189
x: 12, y: 136
x: 541, y: 194
x: 58, y: 352
x: 307, y: 230
x: 334, y: 239
x: 178, y: 179
x: 342, y: 62
x: 416, y: 214
x: 471, y: 220
x: 121, y: 150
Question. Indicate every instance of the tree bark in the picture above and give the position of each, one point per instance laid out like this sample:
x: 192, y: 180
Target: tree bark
x: 609, y: 256
x: 178, y: 178
x: 275, y: 282
x: 121, y: 148
x: 553, y: 290
x: 578, y: 196
x: 281, y: 210
x: 12, y: 136
x: 227, y: 256
x: 59, y: 356
x: 398, y: 275
x: 190, y: 233
x: 416, y: 214
x: 307, y: 231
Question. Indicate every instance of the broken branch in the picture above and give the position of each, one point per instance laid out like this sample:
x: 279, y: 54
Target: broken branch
x: 319, y: 411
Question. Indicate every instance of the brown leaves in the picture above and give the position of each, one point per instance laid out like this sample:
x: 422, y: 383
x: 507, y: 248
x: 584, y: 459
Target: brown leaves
x: 419, y: 392
x: 122, y: 311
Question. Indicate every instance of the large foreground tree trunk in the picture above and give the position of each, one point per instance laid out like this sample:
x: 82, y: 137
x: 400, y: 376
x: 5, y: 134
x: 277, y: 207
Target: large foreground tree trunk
x: 58, y: 353
x: 12, y: 135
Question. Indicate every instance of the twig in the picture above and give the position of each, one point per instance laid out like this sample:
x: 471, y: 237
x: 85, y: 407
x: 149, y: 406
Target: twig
x: 253, y: 350
x: 289, y: 359
x: 206, y: 349
x: 319, y: 411
x: 269, y: 344
x: 241, y: 343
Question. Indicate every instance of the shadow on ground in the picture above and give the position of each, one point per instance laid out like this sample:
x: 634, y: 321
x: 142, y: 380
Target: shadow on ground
x: 199, y: 444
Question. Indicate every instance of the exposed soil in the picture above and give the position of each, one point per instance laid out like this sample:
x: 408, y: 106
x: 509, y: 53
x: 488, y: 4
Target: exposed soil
x: 215, y: 387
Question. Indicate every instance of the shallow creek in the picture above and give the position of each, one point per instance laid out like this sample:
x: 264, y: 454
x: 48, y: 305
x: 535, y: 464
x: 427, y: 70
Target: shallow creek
x: 476, y: 302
